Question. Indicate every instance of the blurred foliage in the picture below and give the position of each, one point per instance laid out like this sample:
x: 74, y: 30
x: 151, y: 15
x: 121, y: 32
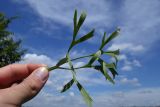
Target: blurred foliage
x: 10, y: 50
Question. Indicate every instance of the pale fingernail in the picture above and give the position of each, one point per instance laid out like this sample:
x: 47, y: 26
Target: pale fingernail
x: 42, y: 73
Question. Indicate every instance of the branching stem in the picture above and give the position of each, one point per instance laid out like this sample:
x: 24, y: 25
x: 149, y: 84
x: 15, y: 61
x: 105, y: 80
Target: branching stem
x: 57, y: 67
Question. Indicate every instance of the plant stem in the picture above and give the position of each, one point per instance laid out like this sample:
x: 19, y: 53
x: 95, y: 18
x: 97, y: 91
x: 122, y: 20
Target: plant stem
x: 52, y: 68
x: 57, y: 67
x: 85, y: 66
x: 82, y: 57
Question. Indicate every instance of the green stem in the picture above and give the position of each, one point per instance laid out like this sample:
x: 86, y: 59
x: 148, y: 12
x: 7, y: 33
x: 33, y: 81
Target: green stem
x: 82, y: 57
x: 85, y: 66
x: 57, y: 67
x: 52, y: 68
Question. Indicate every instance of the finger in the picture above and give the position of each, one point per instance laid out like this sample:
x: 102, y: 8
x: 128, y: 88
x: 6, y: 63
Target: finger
x: 15, y: 72
x: 29, y: 87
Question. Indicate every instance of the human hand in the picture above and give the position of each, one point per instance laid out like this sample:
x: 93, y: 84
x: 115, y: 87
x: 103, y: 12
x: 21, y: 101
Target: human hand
x: 20, y: 83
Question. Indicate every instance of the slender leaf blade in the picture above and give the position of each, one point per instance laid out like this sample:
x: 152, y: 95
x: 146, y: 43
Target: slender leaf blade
x: 81, y: 20
x: 97, y: 67
x: 67, y: 86
x: 103, y: 40
x: 113, y: 71
x: 116, y: 52
x: 75, y: 24
x: 85, y: 95
x: 104, y: 37
x: 110, y: 65
x: 85, y: 37
x: 62, y: 61
x: 112, y: 36
x: 104, y: 71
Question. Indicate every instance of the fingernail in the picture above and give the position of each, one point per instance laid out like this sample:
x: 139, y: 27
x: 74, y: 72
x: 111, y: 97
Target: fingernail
x: 42, y: 73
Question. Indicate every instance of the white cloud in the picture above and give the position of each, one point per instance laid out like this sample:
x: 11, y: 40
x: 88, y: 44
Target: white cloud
x: 79, y: 64
x: 140, y: 23
x: 77, y: 53
x: 131, y: 98
x: 137, y: 22
x: 129, y: 47
x: 49, y: 83
x: 126, y: 81
x: 88, y: 80
x: 72, y: 94
x: 34, y: 58
x: 48, y: 10
x: 136, y: 63
x: 136, y: 97
x: 128, y: 65
x: 126, y: 68
x: 122, y: 57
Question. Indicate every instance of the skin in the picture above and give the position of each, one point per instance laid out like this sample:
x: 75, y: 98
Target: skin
x: 20, y: 83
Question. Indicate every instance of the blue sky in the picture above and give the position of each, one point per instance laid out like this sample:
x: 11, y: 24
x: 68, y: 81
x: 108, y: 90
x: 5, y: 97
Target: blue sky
x: 45, y: 27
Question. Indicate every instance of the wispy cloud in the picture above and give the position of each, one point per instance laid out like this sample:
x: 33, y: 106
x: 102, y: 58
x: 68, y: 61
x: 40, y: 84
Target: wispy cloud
x: 138, y: 20
x: 34, y: 58
x: 48, y: 9
x: 126, y: 68
x: 137, y: 97
x: 127, y: 47
x: 132, y: 82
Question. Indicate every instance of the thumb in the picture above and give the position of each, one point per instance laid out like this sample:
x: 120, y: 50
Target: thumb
x: 29, y: 88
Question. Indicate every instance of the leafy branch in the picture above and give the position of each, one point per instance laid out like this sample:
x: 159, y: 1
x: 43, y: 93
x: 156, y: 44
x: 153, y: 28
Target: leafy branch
x: 102, y: 66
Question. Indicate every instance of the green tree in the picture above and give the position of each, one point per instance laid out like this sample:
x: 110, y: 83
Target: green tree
x: 10, y: 50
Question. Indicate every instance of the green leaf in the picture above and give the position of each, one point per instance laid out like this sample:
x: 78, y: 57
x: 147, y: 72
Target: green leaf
x: 112, y: 65
x: 75, y: 24
x: 85, y: 37
x: 113, y: 71
x: 97, y: 67
x: 81, y: 20
x: 67, y: 86
x: 85, y: 95
x: 116, y: 52
x: 104, y: 71
x: 104, y: 38
x: 95, y: 57
x: 62, y: 61
x: 4, y: 33
x: 111, y: 37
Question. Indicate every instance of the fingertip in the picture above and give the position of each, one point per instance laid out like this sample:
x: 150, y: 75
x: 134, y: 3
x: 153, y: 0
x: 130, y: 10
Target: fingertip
x: 32, y: 67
